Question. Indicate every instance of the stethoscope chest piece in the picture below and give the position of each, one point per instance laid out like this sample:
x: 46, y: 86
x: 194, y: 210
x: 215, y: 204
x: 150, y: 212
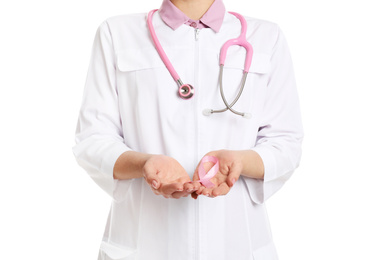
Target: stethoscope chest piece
x: 186, y: 91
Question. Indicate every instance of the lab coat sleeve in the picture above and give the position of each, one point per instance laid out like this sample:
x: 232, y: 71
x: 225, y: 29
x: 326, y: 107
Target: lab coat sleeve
x: 280, y: 132
x: 99, y: 137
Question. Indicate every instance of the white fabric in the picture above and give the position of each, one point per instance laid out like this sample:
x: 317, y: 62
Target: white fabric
x: 131, y: 103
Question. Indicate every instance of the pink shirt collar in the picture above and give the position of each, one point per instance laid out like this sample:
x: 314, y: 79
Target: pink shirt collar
x: 174, y: 18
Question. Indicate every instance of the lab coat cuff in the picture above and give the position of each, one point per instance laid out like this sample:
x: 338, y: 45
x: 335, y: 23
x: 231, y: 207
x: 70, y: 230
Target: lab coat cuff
x: 261, y: 190
x: 110, y: 158
x: 269, y: 163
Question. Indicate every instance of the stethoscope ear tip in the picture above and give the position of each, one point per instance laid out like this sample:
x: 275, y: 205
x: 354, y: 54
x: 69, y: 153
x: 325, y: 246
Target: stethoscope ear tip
x: 207, y: 112
x: 247, y: 115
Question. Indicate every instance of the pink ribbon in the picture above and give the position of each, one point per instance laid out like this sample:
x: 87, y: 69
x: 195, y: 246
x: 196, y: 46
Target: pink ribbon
x: 204, y: 177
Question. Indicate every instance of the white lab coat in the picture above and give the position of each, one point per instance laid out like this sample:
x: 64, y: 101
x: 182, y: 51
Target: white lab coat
x: 131, y: 103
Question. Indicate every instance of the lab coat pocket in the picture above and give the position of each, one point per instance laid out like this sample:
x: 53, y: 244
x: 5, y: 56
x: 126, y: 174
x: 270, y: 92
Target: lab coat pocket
x: 267, y: 252
x: 138, y: 59
x: 260, y: 61
x: 139, y: 73
x: 254, y: 93
x: 142, y: 75
x: 112, y: 251
x: 147, y: 58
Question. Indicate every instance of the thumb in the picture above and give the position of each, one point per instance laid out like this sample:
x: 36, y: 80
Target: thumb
x: 155, y: 184
x: 196, y: 175
x: 233, y: 176
x: 152, y: 178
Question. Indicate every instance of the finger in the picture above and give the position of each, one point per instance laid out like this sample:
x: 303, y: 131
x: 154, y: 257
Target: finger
x: 221, y: 190
x: 233, y: 176
x: 156, y: 192
x: 200, y: 190
x: 180, y: 194
x: 152, y: 179
x: 169, y: 189
x: 196, y: 176
x: 194, y: 195
x: 207, y: 192
x: 196, y: 185
x: 189, y: 187
x: 192, y: 186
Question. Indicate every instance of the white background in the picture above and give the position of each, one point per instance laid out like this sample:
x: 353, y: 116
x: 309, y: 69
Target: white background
x: 336, y: 206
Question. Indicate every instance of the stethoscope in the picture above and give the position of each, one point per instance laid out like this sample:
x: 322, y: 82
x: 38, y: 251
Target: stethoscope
x: 186, y: 91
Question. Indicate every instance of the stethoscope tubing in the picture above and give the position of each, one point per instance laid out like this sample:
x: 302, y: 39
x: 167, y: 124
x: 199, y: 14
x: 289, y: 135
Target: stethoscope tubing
x: 186, y: 91
x: 229, y: 106
x: 160, y: 49
x: 241, y: 41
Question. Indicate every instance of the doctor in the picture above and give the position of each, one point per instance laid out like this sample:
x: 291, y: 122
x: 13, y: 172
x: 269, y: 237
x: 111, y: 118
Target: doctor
x: 143, y: 144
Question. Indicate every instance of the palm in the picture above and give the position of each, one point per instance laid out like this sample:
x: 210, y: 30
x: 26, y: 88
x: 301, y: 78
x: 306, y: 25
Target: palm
x: 170, y: 171
x: 169, y: 175
x: 229, y: 171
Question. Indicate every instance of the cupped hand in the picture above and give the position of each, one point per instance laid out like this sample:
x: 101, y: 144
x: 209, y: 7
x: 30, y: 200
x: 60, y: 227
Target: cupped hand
x: 166, y: 176
x: 230, y: 168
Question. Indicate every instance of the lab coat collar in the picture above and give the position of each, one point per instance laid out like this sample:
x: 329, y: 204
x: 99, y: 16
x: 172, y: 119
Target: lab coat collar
x: 174, y: 17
